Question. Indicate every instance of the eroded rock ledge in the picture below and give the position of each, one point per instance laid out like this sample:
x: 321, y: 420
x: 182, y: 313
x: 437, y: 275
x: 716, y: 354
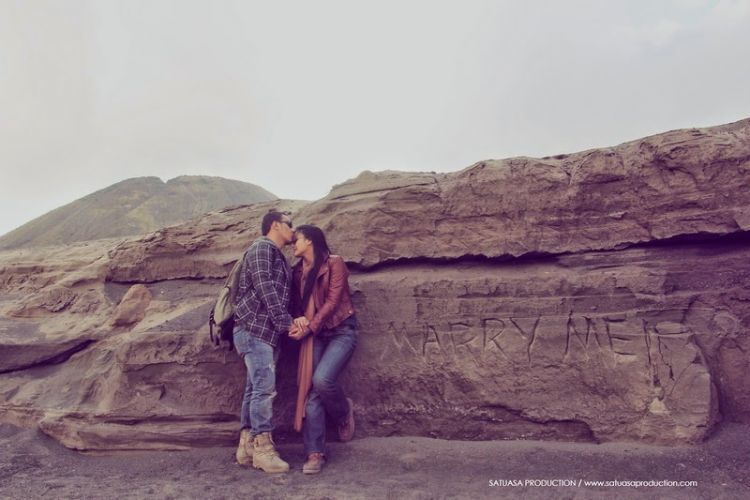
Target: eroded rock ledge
x: 597, y: 296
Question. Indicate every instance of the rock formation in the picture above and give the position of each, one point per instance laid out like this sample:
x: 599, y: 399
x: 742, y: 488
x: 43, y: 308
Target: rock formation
x: 599, y: 296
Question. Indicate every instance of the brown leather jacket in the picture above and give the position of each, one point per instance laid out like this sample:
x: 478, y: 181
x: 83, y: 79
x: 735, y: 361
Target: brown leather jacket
x: 333, y: 300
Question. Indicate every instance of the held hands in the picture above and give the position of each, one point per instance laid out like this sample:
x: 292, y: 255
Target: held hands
x: 300, y: 328
x: 298, y: 333
x: 301, y: 322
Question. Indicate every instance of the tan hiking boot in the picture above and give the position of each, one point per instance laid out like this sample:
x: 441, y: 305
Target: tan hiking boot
x: 346, y: 428
x: 315, y: 462
x: 244, y: 453
x: 265, y: 456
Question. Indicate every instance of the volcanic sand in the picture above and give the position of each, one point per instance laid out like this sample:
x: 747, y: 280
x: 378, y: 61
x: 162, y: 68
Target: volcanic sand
x: 35, y: 466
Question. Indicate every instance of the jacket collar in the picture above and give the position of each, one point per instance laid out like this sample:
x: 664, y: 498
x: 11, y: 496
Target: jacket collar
x: 324, y: 267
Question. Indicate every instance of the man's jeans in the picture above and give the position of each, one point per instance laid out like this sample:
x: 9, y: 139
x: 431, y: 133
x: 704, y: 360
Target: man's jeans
x: 260, y: 387
x: 331, y: 351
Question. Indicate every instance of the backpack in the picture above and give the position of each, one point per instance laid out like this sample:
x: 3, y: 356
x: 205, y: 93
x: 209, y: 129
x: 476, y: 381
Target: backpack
x: 222, y: 314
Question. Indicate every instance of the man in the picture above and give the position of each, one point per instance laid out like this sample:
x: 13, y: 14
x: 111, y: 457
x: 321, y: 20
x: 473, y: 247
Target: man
x: 261, y: 317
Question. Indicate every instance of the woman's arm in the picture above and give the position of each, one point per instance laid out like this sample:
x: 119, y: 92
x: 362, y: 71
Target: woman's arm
x: 337, y: 286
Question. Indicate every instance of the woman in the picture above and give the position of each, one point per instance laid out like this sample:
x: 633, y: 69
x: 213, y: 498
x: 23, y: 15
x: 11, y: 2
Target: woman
x: 327, y: 330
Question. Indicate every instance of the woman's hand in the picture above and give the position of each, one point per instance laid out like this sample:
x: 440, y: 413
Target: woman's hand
x: 301, y: 322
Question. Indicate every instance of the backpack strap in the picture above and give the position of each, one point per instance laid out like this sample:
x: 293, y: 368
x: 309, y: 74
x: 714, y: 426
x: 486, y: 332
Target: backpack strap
x: 216, y: 338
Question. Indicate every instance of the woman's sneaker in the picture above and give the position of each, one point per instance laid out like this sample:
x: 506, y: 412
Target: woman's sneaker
x: 315, y: 462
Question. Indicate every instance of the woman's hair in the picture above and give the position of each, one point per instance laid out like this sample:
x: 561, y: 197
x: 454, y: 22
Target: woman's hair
x: 320, y: 254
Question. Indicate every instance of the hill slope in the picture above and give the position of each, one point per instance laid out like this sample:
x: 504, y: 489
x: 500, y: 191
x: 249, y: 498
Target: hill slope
x: 134, y: 206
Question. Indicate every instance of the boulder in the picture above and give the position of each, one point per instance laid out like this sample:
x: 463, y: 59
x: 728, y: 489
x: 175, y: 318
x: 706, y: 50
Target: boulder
x: 132, y: 307
x: 598, y: 296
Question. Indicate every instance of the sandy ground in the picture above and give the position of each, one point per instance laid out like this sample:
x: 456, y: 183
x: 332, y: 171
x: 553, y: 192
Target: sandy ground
x: 34, y: 466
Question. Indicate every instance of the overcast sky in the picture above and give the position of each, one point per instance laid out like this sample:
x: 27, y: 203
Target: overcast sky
x: 299, y: 96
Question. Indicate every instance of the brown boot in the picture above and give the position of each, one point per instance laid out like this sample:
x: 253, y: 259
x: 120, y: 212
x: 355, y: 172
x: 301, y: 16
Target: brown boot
x: 346, y: 428
x: 244, y: 453
x: 315, y: 462
x: 265, y: 456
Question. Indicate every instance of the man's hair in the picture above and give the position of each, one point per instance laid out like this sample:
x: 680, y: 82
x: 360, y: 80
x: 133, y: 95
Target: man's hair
x: 268, y: 219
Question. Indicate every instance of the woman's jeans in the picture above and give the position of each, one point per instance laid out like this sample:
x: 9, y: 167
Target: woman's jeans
x: 331, y: 352
x: 260, y: 387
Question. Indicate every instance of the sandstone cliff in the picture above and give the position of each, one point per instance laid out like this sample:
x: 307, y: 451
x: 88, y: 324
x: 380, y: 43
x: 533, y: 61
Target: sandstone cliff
x: 599, y: 296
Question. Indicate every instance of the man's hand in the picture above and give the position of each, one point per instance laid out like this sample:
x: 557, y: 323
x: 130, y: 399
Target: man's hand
x: 298, y: 333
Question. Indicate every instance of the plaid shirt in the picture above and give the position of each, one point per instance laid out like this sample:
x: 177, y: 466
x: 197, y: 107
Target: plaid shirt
x: 262, y: 307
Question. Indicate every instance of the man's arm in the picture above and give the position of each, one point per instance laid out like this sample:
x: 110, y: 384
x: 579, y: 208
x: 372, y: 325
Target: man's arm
x: 259, y: 265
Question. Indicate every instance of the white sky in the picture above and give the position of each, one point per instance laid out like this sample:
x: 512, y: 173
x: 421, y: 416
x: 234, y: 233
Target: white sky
x: 299, y: 96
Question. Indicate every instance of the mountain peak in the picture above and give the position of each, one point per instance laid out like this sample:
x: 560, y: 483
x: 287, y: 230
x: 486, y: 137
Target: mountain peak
x: 134, y: 206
